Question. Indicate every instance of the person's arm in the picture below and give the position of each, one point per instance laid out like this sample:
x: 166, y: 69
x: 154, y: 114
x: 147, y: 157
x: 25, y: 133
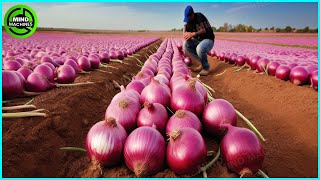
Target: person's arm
x: 184, y: 28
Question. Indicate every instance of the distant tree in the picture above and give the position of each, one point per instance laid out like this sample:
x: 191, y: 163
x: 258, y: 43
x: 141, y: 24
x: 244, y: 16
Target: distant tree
x: 225, y: 27
x: 288, y: 29
x: 306, y: 29
x: 250, y: 29
x: 230, y: 27
x: 266, y: 29
x: 214, y: 29
x: 220, y: 29
x: 259, y: 30
x: 278, y: 30
x: 272, y: 28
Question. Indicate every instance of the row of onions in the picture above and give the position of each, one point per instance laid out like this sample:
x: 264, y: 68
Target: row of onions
x: 177, y: 107
x: 30, y: 71
x: 285, y: 63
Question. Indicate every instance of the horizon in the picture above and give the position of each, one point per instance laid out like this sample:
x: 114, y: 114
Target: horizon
x: 164, y: 17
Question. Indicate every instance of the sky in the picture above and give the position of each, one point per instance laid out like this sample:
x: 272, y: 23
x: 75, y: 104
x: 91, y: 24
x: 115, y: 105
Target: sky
x: 165, y: 16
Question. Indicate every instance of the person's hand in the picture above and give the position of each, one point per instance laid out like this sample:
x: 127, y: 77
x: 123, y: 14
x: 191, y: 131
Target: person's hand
x: 188, y: 35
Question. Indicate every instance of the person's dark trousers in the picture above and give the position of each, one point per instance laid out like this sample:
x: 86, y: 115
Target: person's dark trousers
x: 199, y: 49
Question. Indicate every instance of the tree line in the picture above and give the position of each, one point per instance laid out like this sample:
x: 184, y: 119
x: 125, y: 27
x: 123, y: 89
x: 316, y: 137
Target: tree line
x: 245, y: 28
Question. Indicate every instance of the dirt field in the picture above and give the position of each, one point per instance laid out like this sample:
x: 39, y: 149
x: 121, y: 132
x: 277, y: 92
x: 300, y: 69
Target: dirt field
x: 285, y: 114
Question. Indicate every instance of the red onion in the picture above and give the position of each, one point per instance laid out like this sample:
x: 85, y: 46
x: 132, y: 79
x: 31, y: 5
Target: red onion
x: 241, y: 150
x: 162, y: 79
x: 66, y: 74
x: 125, y: 111
x: 49, y: 60
x: 272, y: 67
x: 262, y: 64
x: 181, y: 119
x: 188, y: 61
x: 136, y: 85
x: 312, y: 68
x: 299, y: 75
x: 292, y: 65
x: 186, y: 151
x: 105, y: 142
x: 187, y: 97
x: 50, y: 66
x: 105, y: 57
x: 46, y: 71
x: 233, y: 58
x: 143, y: 77
x: 73, y: 64
x: 283, y: 72
x: 240, y: 61
x: 314, y: 79
x: 216, y: 113
x: 94, y: 61
x: 253, y: 62
x: 84, y: 63
x: 37, y: 82
x: 25, y: 71
x: 113, y: 55
x: 144, y: 151
x: 153, y: 114
x: 156, y: 92
x: 127, y: 93
x: 11, y: 85
x: 11, y: 65
x: 120, y: 55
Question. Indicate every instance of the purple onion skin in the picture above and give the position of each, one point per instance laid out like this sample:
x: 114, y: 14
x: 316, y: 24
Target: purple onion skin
x: 46, y: 71
x: 125, y: 110
x: 187, y: 152
x: 105, y: 57
x: 84, y: 63
x: 144, y: 151
x: 25, y: 71
x: 283, y: 72
x: 188, y: 61
x: 262, y: 64
x: 37, y: 82
x: 53, y: 68
x: 240, y: 61
x: 105, y: 143
x: 156, y: 93
x: 241, y: 150
x: 11, y: 85
x: 299, y: 75
x: 292, y: 65
x: 215, y: 114
x: 187, y: 97
x: 136, y: 85
x: 120, y: 55
x: 73, y: 64
x: 314, y: 79
x: 312, y: 68
x: 49, y: 60
x: 66, y: 74
x: 153, y: 115
x: 94, y: 61
x: 272, y: 67
x: 182, y: 119
x: 253, y: 62
x: 11, y: 65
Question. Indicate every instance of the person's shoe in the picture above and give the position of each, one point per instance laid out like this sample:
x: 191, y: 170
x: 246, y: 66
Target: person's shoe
x: 197, y: 69
x: 204, y: 72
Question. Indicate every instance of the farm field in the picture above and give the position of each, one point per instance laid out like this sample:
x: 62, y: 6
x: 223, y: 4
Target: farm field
x: 285, y: 114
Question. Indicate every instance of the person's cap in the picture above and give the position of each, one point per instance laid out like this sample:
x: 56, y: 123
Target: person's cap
x: 187, y: 12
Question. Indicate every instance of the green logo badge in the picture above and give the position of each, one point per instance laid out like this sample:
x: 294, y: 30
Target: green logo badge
x: 20, y: 21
